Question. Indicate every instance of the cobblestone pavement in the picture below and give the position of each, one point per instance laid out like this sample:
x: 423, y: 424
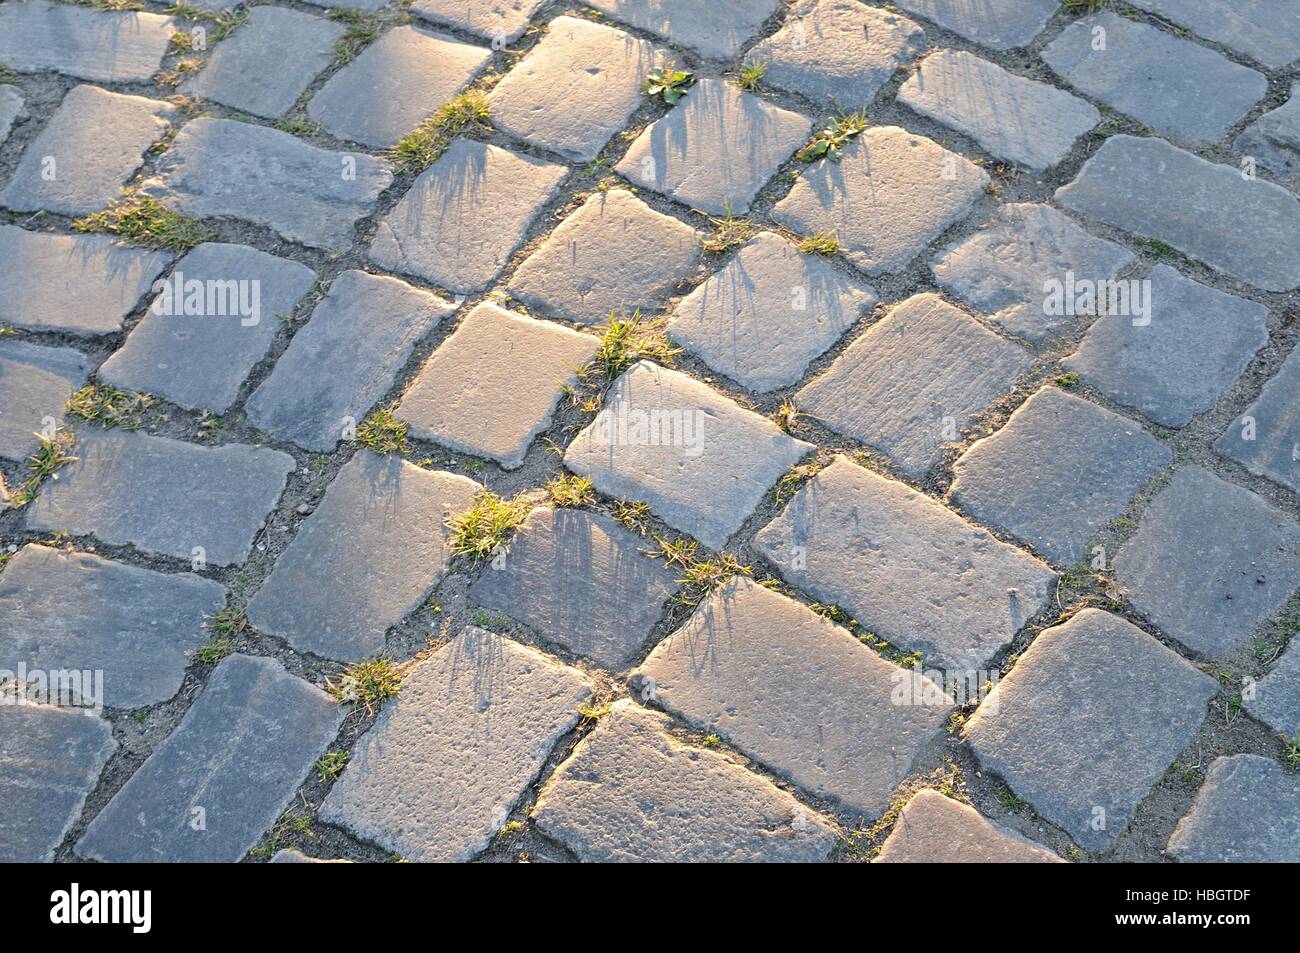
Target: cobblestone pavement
x: 537, y: 430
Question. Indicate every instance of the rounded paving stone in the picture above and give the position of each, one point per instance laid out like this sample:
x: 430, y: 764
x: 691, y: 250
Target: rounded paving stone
x: 35, y: 384
x: 103, y: 46
x: 1266, y: 438
x: 717, y: 29
x: 1247, y: 812
x: 933, y: 829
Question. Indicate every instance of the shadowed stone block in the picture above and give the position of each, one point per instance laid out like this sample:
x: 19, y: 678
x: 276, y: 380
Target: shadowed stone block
x: 11, y: 108
x: 1266, y: 438
x: 933, y: 829
x: 717, y: 29
x: 1247, y: 812
x: 500, y: 21
x: 1273, y: 139
x: 1277, y: 695
x: 1267, y: 31
x: 107, y: 47
x: 35, y: 384
x: 997, y: 24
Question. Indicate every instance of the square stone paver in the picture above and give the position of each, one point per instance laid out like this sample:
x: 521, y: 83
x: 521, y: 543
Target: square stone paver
x: 1057, y: 473
x: 933, y: 829
x: 633, y: 792
x: 1267, y: 31
x: 717, y: 29
x: 235, y: 760
x: 35, y: 384
x: 1266, y: 438
x: 344, y: 359
x: 1021, y: 120
x: 1063, y: 731
x: 492, y: 386
x: 1196, y: 344
x: 370, y: 553
x: 893, y: 193
x: 50, y: 759
x: 838, y: 51
x: 700, y: 461
x: 1171, y: 84
x: 576, y: 88
x: 1247, y: 812
x: 1276, y: 700
x: 465, y: 215
x: 78, y: 284
x: 716, y: 149
x: 11, y: 108
x: 581, y: 580
x: 1007, y: 270
x: 221, y: 168
x: 107, y: 47
x: 267, y: 62
x: 1209, y: 562
x: 395, y: 84
x: 797, y: 693
x: 907, y: 568
x: 163, y: 496
x: 615, y: 254
x: 79, y: 162
x: 769, y: 313
x: 216, y: 317
x: 451, y: 755
x: 997, y: 24
x: 77, y: 612
x: 501, y: 21
x: 1145, y: 186
x: 915, y: 378
x: 1273, y: 140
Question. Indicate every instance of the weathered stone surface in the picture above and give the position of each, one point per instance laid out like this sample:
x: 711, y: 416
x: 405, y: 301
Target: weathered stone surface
x: 893, y: 193
x: 108, y: 47
x: 492, y: 386
x: 80, y: 284
x: 768, y: 313
x: 913, y: 380
x: 1005, y: 271
x: 298, y: 857
x: 367, y: 6
x: 838, y: 50
x: 614, y: 254
x: 220, y: 167
x: 344, y: 359
x: 717, y: 29
x: 1273, y: 139
x: 1171, y: 84
x: 50, y: 760
x: 364, y: 559
x: 394, y: 85
x: 1267, y: 31
x: 90, y: 147
x: 500, y: 21
x: 11, y: 107
x: 716, y: 148
x: 1196, y: 344
x: 199, y: 360
x: 1247, y: 812
x: 450, y: 756
x: 1248, y: 229
x: 239, y: 754
x: 1021, y: 120
x: 905, y: 567
x: 998, y: 24
x: 581, y: 580
x: 1276, y: 701
x: 700, y: 461
x: 78, y: 612
x: 933, y: 829
x: 35, y: 384
x: 1057, y: 472
x: 465, y: 215
x: 633, y: 792
x: 1209, y: 562
x: 268, y: 62
x: 575, y: 88
x: 1063, y: 731
x: 1266, y: 438
x: 797, y: 693
x: 162, y: 495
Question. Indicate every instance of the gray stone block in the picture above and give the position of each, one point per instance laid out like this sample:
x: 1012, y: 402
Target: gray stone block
x: 11, y: 108
x: 998, y: 24
x: 164, y: 496
x: 1247, y: 812
x: 933, y: 829
x: 700, y: 461
x: 77, y: 612
x: 35, y: 384
x: 234, y: 762
x: 500, y: 21
x: 197, y: 343
x: 104, y: 46
x: 1267, y: 31
x: 1209, y: 562
x: 1276, y: 701
x: 1266, y: 438
x: 717, y: 29
x: 451, y: 755
x: 367, y: 557
x: 1273, y: 140
x: 905, y: 567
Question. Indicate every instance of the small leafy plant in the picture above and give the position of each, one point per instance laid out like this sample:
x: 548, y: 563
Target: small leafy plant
x: 830, y: 142
x: 669, y: 83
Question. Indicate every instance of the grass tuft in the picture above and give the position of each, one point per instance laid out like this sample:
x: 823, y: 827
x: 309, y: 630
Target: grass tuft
x: 486, y: 526
x: 728, y: 232
x: 698, y: 576
x: 569, y: 490
x: 383, y: 433
x: 823, y: 243
x: 54, y: 453
x: 331, y: 765
x: 109, y: 406
x: 635, y: 515
x: 367, y: 683
x: 1067, y: 380
x: 420, y: 149
x: 230, y: 622
x: 625, y: 341
x: 750, y: 75
x: 141, y: 220
x: 362, y: 28
x: 214, y: 650
x: 830, y: 142
x: 7, y: 76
